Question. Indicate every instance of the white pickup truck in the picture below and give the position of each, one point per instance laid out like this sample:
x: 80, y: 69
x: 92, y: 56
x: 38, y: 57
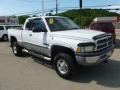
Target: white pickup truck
x: 4, y: 32
x: 60, y: 40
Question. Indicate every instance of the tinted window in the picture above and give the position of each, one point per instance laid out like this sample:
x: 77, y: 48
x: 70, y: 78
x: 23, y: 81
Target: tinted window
x: 96, y: 26
x: 7, y: 27
x: 13, y: 27
x: 61, y: 24
x: 17, y: 27
x: 39, y: 24
x: 107, y: 25
x: 1, y: 28
x: 29, y: 25
x: 102, y: 26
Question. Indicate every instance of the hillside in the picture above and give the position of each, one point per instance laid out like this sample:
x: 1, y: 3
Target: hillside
x: 81, y: 17
x: 85, y: 17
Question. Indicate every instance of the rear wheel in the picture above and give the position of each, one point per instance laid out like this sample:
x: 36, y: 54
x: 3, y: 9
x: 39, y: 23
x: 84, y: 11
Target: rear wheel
x: 64, y: 65
x: 17, y: 50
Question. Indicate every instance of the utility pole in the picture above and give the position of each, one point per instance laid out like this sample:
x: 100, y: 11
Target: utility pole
x: 43, y: 11
x: 80, y: 3
x: 56, y: 6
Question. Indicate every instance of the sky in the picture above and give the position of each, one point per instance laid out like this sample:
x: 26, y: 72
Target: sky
x: 15, y: 7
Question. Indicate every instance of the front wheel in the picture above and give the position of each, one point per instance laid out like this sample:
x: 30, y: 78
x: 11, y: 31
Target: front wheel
x: 17, y: 50
x: 5, y: 38
x: 64, y: 65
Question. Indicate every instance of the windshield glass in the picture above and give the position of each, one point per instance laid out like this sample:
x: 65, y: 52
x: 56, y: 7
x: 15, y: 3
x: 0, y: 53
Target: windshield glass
x: 61, y: 24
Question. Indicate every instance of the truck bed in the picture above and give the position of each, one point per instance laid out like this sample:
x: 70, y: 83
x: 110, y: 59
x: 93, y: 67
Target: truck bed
x: 15, y: 33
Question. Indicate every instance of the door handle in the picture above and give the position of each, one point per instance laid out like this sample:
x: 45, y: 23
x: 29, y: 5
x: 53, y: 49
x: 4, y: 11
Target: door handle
x: 30, y: 34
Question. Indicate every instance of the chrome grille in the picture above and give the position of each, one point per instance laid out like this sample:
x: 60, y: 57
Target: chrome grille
x: 103, y: 42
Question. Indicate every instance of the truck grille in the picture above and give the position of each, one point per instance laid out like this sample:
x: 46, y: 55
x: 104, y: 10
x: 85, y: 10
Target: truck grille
x: 103, y: 42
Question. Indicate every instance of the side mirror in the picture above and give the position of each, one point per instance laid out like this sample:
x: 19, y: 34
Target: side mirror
x: 38, y: 29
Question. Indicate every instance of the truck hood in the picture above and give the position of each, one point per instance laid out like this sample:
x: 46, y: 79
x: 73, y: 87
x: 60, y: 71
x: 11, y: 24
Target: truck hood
x: 77, y: 34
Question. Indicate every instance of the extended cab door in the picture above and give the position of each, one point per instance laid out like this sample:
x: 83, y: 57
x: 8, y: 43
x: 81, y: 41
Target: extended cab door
x: 38, y: 39
x: 27, y: 34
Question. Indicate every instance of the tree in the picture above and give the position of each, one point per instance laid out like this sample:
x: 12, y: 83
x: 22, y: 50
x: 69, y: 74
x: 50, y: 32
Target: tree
x: 22, y: 19
x: 84, y: 17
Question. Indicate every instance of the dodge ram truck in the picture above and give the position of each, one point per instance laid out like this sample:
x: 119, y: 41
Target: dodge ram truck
x: 61, y: 41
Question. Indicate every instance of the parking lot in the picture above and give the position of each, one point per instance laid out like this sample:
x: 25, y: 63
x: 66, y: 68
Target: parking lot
x: 27, y: 73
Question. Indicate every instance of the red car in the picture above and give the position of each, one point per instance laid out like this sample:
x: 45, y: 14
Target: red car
x: 104, y: 26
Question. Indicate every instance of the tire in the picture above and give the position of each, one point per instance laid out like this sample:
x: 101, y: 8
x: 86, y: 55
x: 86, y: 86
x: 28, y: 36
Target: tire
x: 5, y: 38
x: 64, y: 65
x: 17, y: 50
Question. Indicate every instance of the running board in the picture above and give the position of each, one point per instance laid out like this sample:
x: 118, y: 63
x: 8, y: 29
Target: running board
x: 38, y: 55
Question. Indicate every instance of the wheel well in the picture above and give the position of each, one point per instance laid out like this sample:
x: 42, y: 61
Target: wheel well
x: 12, y: 39
x: 61, y: 49
x: 5, y: 35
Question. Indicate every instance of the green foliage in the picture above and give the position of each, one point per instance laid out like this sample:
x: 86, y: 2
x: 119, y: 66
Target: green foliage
x: 82, y: 17
x: 85, y: 16
x: 49, y: 14
x: 22, y: 19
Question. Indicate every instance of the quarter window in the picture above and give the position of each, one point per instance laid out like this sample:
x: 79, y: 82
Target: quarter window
x: 35, y: 23
x: 39, y: 24
x: 29, y: 25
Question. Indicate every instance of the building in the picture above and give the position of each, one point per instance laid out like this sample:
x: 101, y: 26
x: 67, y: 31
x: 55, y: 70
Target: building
x: 7, y: 20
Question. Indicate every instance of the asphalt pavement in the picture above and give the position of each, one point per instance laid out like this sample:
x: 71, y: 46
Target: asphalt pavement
x: 30, y: 73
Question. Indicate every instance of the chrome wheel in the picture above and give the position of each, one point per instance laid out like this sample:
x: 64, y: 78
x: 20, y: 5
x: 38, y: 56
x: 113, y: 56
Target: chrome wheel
x: 14, y: 49
x: 5, y: 38
x: 62, y: 66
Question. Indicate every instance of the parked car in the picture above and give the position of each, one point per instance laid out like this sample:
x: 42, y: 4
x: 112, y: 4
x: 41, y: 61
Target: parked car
x: 4, y: 32
x: 61, y: 41
x: 104, y: 26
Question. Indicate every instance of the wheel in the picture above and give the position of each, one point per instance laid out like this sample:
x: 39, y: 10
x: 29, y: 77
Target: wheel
x: 64, y: 65
x: 17, y: 50
x: 5, y: 38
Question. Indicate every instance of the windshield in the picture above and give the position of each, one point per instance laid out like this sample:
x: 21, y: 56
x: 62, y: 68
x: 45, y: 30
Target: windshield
x: 61, y: 24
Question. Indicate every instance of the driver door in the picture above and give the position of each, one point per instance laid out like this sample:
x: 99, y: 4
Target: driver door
x: 39, y: 40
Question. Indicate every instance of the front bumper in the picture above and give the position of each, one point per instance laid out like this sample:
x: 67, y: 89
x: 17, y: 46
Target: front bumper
x: 94, y: 58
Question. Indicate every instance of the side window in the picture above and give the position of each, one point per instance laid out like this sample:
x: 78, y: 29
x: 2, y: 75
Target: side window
x: 108, y: 25
x: 29, y: 25
x: 97, y: 26
x: 38, y: 23
x: 8, y: 27
x: 1, y: 28
x: 93, y: 26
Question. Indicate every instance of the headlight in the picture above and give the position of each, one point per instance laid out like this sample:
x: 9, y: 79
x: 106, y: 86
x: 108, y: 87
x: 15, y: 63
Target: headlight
x: 85, y: 47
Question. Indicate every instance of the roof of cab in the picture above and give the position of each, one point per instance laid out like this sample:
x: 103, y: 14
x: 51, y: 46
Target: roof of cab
x: 43, y: 17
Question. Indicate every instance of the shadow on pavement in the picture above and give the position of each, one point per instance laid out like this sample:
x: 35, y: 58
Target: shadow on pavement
x: 107, y: 75
x: 43, y: 62
x: 25, y: 55
x: 117, y: 43
x: 3, y: 40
